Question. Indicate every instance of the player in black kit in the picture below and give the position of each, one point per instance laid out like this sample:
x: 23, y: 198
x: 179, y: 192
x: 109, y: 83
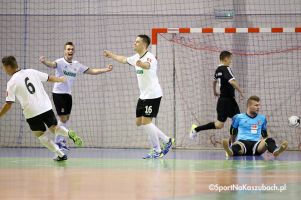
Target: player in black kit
x: 226, y: 104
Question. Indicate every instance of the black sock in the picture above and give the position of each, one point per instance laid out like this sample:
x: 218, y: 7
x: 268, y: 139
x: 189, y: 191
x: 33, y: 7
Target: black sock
x: 236, y: 148
x: 205, y: 127
x: 270, y: 144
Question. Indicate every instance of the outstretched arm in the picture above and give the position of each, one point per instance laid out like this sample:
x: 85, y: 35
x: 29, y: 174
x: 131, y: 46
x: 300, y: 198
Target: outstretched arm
x: 56, y: 79
x: 118, y: 58
x: 96, y: 71
x: 46, y: 62
x: 6, y: 107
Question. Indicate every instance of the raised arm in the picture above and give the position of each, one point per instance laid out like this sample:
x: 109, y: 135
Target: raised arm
x: 118, y: 58
x: 95, y: 71
x: 56, y: 79
x: 46, y: 62
x: 6, y: 107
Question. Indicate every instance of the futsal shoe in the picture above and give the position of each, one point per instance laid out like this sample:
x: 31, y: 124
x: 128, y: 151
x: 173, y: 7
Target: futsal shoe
x: 60, y: 158
x: 226, y: 147
x: 77, y: 140
x: 193, y: 133
x: 62, y: 145
x: 168, y: 145
x: 280, y: 149
x: 154, y: 155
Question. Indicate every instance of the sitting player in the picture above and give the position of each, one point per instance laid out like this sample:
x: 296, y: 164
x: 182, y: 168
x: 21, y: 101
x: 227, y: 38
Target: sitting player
x: 250, y: 128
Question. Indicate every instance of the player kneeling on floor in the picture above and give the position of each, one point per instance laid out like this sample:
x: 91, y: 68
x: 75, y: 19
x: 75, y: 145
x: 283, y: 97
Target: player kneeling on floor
x: 250, y: 130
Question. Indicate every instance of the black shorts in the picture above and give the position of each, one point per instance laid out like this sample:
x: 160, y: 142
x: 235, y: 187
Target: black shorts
x: 226, y: 107
x: 250, y: 147
x: 63, y: 103
x: 37, y: 123
x: 148, y: 107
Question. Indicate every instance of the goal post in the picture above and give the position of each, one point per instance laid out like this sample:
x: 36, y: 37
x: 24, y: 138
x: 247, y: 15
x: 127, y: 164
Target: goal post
x: 265, y: 63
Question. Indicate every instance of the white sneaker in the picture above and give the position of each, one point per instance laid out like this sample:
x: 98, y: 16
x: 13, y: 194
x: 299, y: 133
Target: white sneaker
x: 193, y: 133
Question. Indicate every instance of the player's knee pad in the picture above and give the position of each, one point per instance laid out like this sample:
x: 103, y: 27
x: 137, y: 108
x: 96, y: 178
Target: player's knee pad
x: 270, y: 144
x: 238, y: 148
x: 269, y: 141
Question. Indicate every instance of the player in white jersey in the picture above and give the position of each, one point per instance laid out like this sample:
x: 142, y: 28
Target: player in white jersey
x: 26, y: 85
x: 148, y: 104
x: 61, y: 92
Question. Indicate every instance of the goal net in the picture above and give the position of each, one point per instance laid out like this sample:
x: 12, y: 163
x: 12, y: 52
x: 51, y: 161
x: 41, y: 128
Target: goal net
x: 103, y: 112
x: 265, y: 63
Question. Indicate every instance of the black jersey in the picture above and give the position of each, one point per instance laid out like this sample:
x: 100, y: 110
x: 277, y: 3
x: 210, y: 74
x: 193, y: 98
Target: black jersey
x: 223, y: 75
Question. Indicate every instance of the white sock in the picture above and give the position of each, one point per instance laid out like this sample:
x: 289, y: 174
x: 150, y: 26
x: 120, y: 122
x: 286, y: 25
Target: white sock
x: 160, y: 134
x: 49, y: 144
x: 61, y: 130
x: 151, y: 131
x: 59, y: 137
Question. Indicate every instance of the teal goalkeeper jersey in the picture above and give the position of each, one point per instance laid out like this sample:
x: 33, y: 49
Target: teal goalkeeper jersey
x: 249, y: 128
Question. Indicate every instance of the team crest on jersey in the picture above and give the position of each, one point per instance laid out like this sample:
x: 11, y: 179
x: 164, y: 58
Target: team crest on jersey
x: 62, y: 110
x: 259, y: 122
x: 149, y: 60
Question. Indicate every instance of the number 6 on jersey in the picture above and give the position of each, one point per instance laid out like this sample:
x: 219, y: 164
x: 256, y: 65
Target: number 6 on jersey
x: 29, y: 86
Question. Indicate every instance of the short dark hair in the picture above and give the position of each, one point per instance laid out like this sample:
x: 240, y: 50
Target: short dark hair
x: 10, y: 60
x: 224, y: 54
x: 253, y: 98
x: 68, y: 43
x: 145, y: 39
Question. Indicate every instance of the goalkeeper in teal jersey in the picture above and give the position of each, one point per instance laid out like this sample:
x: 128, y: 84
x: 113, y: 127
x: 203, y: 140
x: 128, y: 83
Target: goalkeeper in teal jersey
x: 250, y: 130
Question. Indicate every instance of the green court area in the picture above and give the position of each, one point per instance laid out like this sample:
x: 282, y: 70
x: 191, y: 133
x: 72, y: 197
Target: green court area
x: 164, y: 179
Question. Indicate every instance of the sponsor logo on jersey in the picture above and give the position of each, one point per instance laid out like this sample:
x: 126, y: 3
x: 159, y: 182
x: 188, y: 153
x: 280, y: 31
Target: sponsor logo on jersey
x: 69, y: 73
x: 139, y: 71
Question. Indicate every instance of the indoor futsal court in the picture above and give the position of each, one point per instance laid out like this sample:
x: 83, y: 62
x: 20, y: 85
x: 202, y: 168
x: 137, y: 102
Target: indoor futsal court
x: 150, y: 100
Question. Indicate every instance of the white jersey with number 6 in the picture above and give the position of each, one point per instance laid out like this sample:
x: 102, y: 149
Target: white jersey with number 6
x: 147, y: 78
x: 26, y: 85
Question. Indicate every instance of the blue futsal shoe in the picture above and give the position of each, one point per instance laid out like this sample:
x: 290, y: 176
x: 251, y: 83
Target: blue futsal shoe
x: 153, y: 154
x: 62, y: 145
x: 167, y: 146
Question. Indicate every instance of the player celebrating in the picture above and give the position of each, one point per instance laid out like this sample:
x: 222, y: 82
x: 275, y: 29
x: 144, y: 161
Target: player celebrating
x: 251, y: 131
x: 26, y: 85
x: 226, y: 104
x: 61, y: 92
x: 150, y: 94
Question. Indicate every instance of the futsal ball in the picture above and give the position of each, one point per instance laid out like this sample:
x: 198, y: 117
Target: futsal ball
x: 293, y: 121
